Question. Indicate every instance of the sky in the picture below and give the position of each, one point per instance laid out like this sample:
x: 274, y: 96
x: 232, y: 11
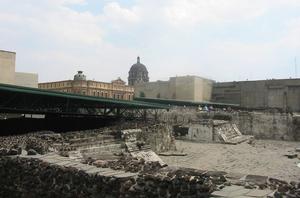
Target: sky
x: 224, y: 40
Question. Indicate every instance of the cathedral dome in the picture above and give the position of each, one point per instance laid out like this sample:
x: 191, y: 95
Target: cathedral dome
x: 138, y: 67
x: 138, y: 73
x: 79, y: 76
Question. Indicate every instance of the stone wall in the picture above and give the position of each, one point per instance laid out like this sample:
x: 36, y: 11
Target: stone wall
x: 262, y: 125
x: 201, y: 132
x: 159, y: 137
x: 27, y: 177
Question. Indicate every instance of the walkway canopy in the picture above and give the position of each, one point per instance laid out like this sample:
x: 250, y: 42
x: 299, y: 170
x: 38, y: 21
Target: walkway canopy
x: 17, y: 99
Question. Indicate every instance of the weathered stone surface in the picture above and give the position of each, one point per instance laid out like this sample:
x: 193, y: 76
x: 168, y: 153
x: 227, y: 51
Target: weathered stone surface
x: 30, y: 177
x: 31, y: 152
x: 3, y: 151
x: 12, y: 152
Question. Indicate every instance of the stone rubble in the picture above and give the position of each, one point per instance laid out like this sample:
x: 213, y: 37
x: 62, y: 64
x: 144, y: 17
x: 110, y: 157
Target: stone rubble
x: 29, y: 177
x: 41, y: 142
x: 21, y: 177
x: 126, y: 163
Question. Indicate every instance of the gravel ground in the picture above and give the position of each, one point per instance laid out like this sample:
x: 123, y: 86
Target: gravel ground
x: 263, y: 157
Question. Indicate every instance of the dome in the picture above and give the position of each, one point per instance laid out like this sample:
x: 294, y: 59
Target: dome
x: 138, y: 73
x: 79, y: 76
x: 138, y: 67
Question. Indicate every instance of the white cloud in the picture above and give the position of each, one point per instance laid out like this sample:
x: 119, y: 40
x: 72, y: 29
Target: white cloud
x: 69, y: 2
x: 68, y: 25
x: 52, y: 20
x: 117, y: 17
x: 49, y: 35
x: 291, y: 39
x: 192, y: 12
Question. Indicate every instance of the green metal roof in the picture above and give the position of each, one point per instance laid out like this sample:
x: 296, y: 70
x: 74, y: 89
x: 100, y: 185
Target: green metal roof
x: 183, y: 102
x: 82, y: 98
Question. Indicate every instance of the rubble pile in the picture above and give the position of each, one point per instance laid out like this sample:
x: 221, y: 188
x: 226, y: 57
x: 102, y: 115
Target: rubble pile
x: 128, y: 164
x: 28, y: 177
x: 40, y: 142
x: 283, y: 188
x: 150, y: 185
x: 23, y: 177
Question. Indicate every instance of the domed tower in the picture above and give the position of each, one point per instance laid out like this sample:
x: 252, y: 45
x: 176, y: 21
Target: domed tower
x: 79, y: 84
x: 138, y: 73
x: 79, y: 76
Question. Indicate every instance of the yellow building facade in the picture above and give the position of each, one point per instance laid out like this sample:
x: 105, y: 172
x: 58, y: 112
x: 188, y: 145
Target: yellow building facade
x: 117, y: 89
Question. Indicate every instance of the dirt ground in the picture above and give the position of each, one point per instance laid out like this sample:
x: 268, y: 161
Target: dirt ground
x: 263, y: 157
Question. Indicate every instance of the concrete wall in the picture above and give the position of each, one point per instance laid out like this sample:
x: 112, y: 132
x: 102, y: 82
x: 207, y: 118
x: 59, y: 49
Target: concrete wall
x: 200, y: 132
x: 183, y: 88
x: 153, y: 89
x: 7, y: 67
x: 191, y: 88
x: 282, y: 94
x: 26, y: 79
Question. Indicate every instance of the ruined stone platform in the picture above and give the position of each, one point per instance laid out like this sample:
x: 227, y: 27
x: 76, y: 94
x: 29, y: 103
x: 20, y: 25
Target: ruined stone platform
x: 241, y: 192
x: 56, y: 159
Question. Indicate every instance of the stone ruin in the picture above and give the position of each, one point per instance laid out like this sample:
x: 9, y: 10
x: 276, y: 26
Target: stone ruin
x: 113, y: 163
x: 93, y: 164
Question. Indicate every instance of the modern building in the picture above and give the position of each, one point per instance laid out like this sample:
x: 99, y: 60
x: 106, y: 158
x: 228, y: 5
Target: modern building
x: 117, y: 89
x: 189, y: 88
x: 7, y: 65
x: 26, y: 79
x: 138, y: 73
x: 8, y: 75
x: 261, y: 94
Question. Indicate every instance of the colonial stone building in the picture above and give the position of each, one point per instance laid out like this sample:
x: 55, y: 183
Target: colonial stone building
x: 138, y: 73
x: 117, y: 89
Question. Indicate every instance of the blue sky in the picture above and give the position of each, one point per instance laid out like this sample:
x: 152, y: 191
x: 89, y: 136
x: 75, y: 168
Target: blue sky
x: 225, y: 40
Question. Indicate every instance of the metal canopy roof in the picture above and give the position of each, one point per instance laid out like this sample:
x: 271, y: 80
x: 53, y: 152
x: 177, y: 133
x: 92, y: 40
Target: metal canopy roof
x: 18, y: 97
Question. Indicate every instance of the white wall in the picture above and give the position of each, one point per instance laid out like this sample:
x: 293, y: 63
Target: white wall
x: 26, y: 79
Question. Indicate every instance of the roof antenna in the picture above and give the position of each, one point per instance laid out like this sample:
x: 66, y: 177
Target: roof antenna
x: 296, y: 67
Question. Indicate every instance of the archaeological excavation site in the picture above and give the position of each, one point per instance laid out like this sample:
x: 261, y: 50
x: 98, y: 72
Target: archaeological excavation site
x: 181, y: 151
